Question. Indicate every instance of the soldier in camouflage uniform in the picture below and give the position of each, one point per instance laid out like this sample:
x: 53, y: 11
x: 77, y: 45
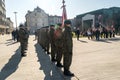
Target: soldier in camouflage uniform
x: 68, y: 47
x: 59, y: 44
x: 47, y: 41
x: 23, y: 37
x: 52, y: 43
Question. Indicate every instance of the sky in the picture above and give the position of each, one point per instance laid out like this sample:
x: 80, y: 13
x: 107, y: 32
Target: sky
x: 53, y: 7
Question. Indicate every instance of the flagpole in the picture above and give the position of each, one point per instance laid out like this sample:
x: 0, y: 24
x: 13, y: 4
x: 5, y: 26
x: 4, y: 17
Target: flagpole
x: 64, y: 14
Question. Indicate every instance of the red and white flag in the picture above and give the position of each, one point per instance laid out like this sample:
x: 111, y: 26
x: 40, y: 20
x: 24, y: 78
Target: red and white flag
x: 64, y: 15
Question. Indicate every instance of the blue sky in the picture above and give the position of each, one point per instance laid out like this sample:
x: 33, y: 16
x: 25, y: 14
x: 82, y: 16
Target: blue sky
x: 52, y: 7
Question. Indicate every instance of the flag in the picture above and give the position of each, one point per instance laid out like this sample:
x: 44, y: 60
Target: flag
x: 64, y: 15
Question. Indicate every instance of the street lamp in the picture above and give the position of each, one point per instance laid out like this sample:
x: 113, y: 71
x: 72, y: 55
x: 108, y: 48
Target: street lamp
x: 15, y: 18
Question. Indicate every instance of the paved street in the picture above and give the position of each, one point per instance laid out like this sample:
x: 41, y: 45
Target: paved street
x: 92, y: 60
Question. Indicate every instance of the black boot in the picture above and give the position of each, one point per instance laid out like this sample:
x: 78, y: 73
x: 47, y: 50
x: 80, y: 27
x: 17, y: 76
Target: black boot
x: 68, y: 73
x: 53, y: 60
x: 59, y: 64
x: 23, y: 55
x: 48, y: 52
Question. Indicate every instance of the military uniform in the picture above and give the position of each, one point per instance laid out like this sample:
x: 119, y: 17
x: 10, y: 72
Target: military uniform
x: 23, y: 37
x: 59, y: 45
x: 67, y: 49
x: 52, y: 43
x: 47, y: 41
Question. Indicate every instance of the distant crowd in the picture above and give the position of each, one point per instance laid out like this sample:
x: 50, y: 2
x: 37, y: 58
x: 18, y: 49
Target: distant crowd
x: 96, y: 32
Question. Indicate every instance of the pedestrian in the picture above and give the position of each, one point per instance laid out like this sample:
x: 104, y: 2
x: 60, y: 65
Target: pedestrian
x: 97, y: 35
x: 36, y: 35
x: 68, y: 48
x: 78, y: 33
x: 23, y: 37
x: 89, y: 34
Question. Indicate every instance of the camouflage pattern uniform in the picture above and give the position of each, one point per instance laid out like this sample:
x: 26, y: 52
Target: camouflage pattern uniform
x: 47, y: 41
x: 68, y: 47
x: 52, y: 43
x: 23, y: 37
x: 59, y: 45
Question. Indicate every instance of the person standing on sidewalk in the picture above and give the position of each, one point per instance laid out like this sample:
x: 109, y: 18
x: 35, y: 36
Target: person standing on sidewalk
x: 68, y: 47
x: 23, y: 37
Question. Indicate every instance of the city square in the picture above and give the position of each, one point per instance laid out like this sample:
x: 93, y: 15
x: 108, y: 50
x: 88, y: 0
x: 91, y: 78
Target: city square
x: 92, y: 60
x: 59, y: 40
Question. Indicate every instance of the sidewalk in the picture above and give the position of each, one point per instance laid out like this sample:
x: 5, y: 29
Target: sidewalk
x: 92, y: 60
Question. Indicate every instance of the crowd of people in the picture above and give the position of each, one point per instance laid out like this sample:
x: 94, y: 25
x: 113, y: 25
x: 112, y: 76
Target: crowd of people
x: 97, y: 33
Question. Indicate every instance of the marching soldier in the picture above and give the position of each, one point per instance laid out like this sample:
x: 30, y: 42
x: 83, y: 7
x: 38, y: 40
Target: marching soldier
x: 23, y: 36
x: 68, y: 47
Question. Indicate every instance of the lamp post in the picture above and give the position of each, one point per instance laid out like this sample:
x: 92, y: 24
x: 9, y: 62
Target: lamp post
x: 15, y: 18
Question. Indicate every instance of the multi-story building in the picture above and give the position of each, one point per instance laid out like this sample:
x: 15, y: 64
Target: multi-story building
x: 54, y: 19
x: 36, y: 19
x: 105, y: 16
x: 9, y: 26
x: 2, y: 16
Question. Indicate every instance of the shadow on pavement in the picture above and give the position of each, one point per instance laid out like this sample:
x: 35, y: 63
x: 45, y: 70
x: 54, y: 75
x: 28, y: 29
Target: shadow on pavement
x: 11, y: 66
x: 109, y: 39
x: 49, y: 68
x: 114, y: 39
x: 83, y: 41
x: 103, y: 40
x: 10, y: 42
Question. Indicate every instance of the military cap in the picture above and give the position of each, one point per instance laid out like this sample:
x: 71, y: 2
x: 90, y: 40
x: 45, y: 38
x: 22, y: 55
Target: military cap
x: 67, y: 22
x: 52, y: 25
x: 59, y: 24
x: 21, y: 25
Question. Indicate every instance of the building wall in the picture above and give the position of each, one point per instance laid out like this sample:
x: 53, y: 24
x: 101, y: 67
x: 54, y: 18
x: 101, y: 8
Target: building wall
x: 2, y: 17
x: 107, y: 17
x: 55, y: 19
x: 9, y: 25
x: 36, y: 19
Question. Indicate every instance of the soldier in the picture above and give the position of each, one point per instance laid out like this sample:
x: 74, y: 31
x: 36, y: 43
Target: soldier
x: 51, y: 37
x: 47, y: 40
x: 59, y: 44
x: 67, y: 49
x: 23, y: 36
x: 27, y: 34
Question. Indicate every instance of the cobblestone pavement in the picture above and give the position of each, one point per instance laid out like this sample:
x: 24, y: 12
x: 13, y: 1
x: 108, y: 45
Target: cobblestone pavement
x: 92, y: 60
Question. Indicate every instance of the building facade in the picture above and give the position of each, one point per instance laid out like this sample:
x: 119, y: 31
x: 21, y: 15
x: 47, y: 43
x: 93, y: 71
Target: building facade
x: 9, y: 26
x: 54, y: 19
x: 105, y: 17
x: 2, y: 17
x: 36, y: 19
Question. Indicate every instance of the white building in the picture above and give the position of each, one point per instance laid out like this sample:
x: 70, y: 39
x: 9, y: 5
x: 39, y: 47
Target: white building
x: 36, y: 19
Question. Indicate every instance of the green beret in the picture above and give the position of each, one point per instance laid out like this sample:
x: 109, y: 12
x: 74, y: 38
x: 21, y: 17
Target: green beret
x: 67, y: 22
